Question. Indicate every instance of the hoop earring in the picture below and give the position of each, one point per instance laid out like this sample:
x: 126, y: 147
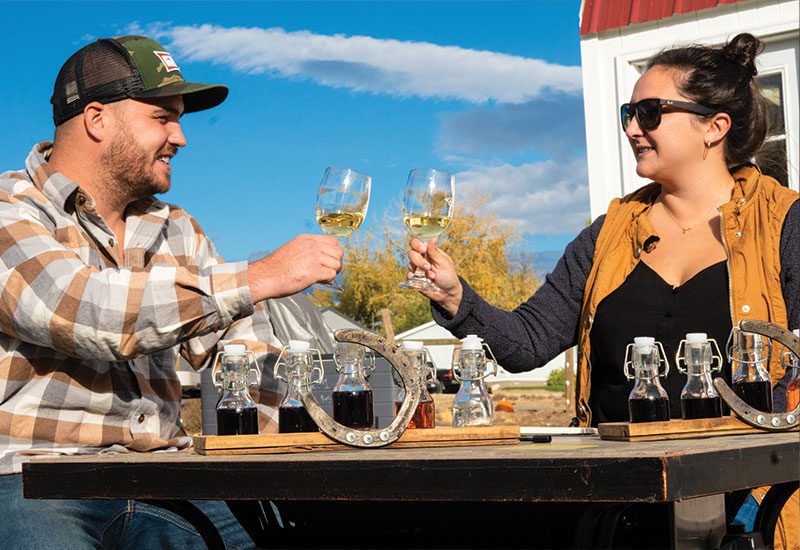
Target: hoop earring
x: 708, y: 146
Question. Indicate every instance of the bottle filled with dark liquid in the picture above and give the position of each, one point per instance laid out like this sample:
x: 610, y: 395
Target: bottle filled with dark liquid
x: 425, y: 414
x: 791, y: 363
x: 749, y: 354
x: 352, y: 395
x: 234, y: 370
x: 648, y: 401
x: 699, y: 398
x: 297, y: 360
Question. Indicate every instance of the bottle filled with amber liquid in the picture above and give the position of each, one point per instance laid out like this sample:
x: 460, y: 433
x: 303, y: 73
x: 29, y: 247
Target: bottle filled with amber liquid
x: 472, y: 405
x: 352, y: 395
x: 234, y: 371
x: 648, y: 401
x: 425, y: 413
x: 699, y: 398
x: 791, y: 363
x: 749, y: 354
x: 299, y: 373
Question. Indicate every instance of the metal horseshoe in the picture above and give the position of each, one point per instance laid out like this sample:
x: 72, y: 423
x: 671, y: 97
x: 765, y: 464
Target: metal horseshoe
x: 774, y: 422
x: 370, y: 438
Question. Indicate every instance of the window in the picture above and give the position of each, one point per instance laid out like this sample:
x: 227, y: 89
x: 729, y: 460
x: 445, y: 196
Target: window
x: 773, y: 157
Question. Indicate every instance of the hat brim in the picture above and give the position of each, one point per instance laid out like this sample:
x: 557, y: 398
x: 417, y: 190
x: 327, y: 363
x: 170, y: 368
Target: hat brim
x: 196, y: 97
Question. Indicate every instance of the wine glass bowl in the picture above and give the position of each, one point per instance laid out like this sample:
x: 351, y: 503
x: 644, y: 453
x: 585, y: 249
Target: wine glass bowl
x: 342, y: 203
x: 427, y: 210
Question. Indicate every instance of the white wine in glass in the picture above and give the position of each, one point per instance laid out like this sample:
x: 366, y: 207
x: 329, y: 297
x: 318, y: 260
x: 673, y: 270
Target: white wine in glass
x: 342, y: 203
x: 427, y: 209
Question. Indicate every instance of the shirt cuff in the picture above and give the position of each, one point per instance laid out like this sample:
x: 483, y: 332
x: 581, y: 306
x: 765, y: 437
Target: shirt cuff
x: 230, y: 291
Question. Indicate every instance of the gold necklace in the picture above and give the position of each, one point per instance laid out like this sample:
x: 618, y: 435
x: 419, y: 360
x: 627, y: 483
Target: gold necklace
x: 685, y: 230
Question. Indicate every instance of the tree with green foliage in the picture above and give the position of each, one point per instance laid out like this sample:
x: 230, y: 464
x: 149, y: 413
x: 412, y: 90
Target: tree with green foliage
x: 481, y: 245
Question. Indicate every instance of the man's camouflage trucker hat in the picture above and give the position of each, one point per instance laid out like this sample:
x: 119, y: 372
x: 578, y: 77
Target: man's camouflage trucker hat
x: 134, y: 67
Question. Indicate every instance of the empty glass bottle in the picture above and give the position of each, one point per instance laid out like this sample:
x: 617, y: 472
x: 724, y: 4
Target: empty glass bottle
x: 352, y: 395
x: 234, y: 370
x: 298, y: 362
x: 699, y: 398
x: 647, y: 402
x: 425, y: 413
x: 791, y: 363
x: 472, y: 405
x: 749, y: 355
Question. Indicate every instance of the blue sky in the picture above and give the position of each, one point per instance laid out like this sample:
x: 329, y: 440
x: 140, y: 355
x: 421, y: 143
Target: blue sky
x: 489, y: 91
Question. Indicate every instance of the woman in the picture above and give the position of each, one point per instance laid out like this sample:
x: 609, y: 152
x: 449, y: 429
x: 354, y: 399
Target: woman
x: 710, y: 242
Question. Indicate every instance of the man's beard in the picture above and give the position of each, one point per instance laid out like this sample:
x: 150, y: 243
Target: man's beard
x: 130, y: 169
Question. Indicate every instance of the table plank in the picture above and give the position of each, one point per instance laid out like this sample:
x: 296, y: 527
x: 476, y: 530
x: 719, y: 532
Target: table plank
x: 571, y: 469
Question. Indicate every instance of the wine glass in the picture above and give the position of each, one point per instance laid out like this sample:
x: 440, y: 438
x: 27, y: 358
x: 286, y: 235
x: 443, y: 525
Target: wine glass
x: 342, y: 202
x: 427, y: 209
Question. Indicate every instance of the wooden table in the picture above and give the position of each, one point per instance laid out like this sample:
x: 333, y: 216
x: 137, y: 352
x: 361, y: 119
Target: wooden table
x: 687, y: 477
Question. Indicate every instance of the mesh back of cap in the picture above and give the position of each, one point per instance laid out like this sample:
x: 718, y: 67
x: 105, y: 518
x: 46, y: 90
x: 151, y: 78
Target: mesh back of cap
x: 101, y: 71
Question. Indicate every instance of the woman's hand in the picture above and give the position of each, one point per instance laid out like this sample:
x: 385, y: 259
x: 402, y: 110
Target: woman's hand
x: 440, y: 269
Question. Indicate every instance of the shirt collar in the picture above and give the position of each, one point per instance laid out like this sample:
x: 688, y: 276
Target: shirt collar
x: 54, y: 185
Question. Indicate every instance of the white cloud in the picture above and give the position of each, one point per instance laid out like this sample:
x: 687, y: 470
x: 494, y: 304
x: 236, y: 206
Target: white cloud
x: 367, y: 64
x: 541, y: 198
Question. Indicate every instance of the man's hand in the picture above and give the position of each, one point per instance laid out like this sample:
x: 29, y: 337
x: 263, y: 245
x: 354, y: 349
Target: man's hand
x: 440, y: 269
x: 295, y: 266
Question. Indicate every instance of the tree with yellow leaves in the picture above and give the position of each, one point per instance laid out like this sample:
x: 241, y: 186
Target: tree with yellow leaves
x: 479, y: 243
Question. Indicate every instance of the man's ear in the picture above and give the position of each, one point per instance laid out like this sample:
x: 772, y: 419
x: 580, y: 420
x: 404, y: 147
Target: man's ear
x: 718, y: 127
x: 98, y: 120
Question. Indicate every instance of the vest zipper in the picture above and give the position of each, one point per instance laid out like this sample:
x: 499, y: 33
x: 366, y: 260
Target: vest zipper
x: 727, y: 263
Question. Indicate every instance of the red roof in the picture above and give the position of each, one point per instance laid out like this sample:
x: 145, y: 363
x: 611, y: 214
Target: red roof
x: 602, y: 15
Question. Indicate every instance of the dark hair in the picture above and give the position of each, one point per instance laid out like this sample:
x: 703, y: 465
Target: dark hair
x: 723, y: 79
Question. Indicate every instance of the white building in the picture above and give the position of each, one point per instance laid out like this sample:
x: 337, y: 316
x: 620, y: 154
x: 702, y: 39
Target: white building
x: 440, y: 343
x: 617, y: 38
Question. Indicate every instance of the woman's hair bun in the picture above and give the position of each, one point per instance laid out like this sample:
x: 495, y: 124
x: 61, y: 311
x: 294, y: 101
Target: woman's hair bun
x: 742, y: 50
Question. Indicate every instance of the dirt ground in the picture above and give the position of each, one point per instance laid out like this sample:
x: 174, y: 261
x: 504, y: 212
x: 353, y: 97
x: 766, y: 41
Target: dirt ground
x: 532, y: 407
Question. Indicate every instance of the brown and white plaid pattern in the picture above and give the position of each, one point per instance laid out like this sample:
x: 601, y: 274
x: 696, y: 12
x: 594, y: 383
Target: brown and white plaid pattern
x: 89, y: 341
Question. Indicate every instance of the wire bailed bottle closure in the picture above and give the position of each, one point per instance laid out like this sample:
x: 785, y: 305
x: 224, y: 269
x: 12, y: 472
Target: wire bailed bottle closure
x: 647, y: 402
x: 425, y: 413
x: 749, y: 354
x: 352, y: 394
x: 791, y: 363
x: 299, y: 368
x: 472, y: 405
x: 699, y: 399
x: 234, y: 370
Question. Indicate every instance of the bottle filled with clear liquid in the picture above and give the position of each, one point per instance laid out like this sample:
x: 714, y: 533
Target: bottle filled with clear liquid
x: 472, y: 405
x: 234, y: 371
x: 352, y: 395
x: 699, y: 398
x: 425, y: 413
x: 299, y: 373
x: 749, y: 355
x: 792, y: 365
x: 648, y: 401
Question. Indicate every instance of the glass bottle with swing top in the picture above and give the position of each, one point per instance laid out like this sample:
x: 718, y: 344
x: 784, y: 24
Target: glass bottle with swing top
x: 791, y: 363
x: 648, y: 401
x: 425, y: 414
x: 699, y: 398
x: 298, y: 363
x: 234, y: 371
x: 352, y: 394
x: 749, y: 355
x: 472, y: 405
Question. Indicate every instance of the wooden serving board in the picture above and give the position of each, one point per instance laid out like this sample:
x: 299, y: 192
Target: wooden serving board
x: 316, y: 441
x: 675, y: 429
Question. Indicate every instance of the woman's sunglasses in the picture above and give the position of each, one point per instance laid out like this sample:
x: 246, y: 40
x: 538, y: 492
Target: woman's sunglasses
x: 648, y: 111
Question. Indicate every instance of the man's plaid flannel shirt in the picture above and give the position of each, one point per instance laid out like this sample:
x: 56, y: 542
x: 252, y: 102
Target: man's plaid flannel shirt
x: 89, y: 341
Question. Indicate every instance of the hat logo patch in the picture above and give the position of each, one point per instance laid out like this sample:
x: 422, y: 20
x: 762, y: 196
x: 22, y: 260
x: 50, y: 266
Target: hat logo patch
x: 167, y: 61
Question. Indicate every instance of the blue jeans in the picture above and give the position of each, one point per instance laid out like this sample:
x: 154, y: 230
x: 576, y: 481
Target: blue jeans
x: 40, y: 524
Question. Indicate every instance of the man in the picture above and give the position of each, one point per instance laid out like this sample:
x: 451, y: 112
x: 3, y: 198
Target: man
x: 102, y: 286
